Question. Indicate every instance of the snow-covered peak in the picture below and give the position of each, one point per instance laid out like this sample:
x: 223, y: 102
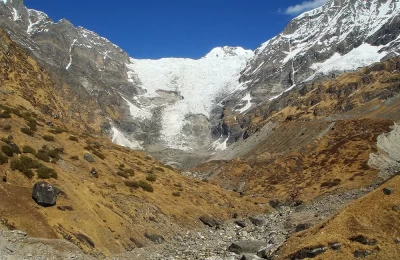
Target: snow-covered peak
x: 227, y: 51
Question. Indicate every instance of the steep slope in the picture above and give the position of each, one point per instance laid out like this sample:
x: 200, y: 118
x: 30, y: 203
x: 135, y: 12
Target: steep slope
x: 107, y: 191
x: 337, y: 37
x: 316, y: 139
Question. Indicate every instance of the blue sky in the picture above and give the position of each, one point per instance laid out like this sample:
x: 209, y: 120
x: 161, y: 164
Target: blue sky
x: 178, y: 28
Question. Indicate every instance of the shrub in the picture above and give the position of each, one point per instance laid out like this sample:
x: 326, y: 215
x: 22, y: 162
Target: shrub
x: 7, y: 127
x: 151, y: 178
x: 42, y: 155
x: 45, y: 172
x: 176, y: 194
x: 5, y: 115
x: 3, y: 159
x: 96, y: 145
x: 49, y: 138
x: 27, y: 131
x: 57, y: 130
x: 159, y: 169
x: 121, y: 165
x: 99, y: 154
x: 73, y: 138
x: 74, y: 157
x: 132, y: 184
x: 53, y: 153
x: 32, y: 126
x: 123, y: 174
x: 131, y: 172
x: 6, y: 140
x: 7, y: 150
x: 24, y: 164
x: 28, y: 149
x: 146, y: 186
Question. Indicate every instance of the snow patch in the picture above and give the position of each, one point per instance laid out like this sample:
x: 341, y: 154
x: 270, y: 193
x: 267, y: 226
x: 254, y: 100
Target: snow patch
x: 70, y: 54
x: 137, y: 112
x: 247, y: 106
x: 120, y: 139
x: 361, y: 56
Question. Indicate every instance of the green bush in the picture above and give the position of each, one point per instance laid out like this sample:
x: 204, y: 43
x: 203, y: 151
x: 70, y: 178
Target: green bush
x: 74, y: 157
x: 176, y: 194
x: 132, y: 184
x: 146, y: 186
x: 99, y: 154
x: 28, y: 149
x: 45, y: 172
x: 131, y: 172
x: 7, y: 127
x: 53, y: 153
x: 24, y: 164
x: 42, y: 155
x: 73, y: 138
x: 3, y: 159
x: 27, y: 131
x: 123, y: 174
x: 49, y: 138
x: 7, y: 150
x: 151, y: 178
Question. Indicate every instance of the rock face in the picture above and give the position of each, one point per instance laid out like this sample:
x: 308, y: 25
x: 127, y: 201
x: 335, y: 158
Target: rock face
x: 44, y: 194
x: 322, y: 43
x: 339, y: 36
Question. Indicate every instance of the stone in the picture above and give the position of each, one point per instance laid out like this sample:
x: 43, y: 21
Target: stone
x: 361, y: 253
x: 209, y: 221
x: 397, y: 240
x: 44, y: 194
x: 88, y: 157
x: 265, y: 253
x: 396, y: 208
x: 335, y: 246
x: 241, y: 223
x: 156, y: 239
x: 257, y: 221
x: 247, y: 246
x: 302, y: 227
x: 94, y: 173
x: 388, y: 190
x: 309, y: 252
x: 364, y: 240
x: 249, y: 257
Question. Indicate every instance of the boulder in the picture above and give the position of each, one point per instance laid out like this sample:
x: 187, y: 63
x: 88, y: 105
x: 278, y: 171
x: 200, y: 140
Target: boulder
x: 88, y: 157
x: 156, y: 239
x: 249, y: 257
x: 257, y: 221
x: 240, y: 223
x: 361, y: 253
x: 209, y: 221
x: 247, y: 246
x: 302, y: 227
x: 388, y: 190
x: 44, y: 194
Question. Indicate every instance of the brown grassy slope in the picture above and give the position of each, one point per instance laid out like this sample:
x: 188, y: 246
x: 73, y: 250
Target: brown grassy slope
x: 325, y: 133
x: 372, y: 216
x: 97, y: 213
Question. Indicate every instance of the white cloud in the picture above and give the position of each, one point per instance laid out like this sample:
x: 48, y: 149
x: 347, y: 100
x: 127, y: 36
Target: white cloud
x: 305, y: 6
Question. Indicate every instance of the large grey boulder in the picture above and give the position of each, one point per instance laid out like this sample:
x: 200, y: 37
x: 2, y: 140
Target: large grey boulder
x: 45, y: 194
x: 247, y: 246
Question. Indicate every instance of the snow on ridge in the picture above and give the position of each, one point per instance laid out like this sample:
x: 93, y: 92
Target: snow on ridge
x: 246, y: 98
x: 70, y: 54
x: 361, y: 56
